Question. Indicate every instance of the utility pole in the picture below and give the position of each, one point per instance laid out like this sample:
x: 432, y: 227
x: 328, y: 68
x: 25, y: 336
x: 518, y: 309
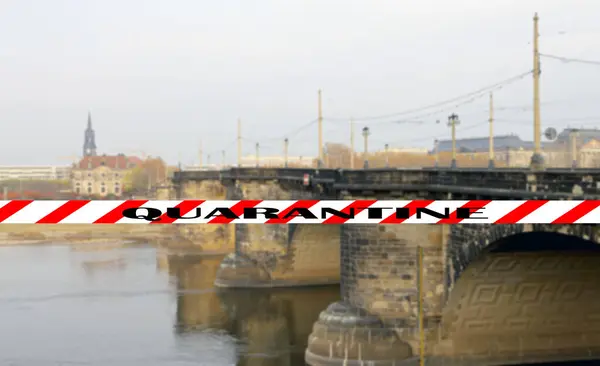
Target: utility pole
x: 257, y: 158
x: 239, y: 143
x: 436, y: 144
x: 208, y: 160
x: 452, y: 122
x: 574, y: 134
x: 537, y: 160
x: 491, y: 143
x: 387, y: 156
x: 352, y: 152
x: 223, y: 158
x: 320, y: 161
x: 285, y: 151
x: 366, y: 133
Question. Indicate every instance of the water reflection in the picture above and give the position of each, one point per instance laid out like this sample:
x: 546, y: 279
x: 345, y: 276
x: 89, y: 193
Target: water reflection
x: 271, y: 326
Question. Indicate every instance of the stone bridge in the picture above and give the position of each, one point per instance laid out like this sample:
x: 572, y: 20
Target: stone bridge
x: 493, y: 294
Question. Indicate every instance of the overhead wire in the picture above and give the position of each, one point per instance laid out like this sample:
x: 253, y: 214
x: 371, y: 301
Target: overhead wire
x: 568, y: 59
x: 448, y: 101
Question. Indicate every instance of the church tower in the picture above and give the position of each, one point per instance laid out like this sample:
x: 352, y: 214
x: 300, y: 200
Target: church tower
x: 89, y: 142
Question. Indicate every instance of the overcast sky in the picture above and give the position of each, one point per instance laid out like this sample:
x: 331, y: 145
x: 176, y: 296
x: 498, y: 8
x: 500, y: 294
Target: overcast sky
x: 160, y: 76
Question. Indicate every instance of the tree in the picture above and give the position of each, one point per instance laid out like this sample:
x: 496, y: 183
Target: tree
x: 135, y: 180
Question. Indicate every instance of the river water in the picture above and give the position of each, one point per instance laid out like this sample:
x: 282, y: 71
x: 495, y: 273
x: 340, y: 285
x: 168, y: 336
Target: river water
x: 62, y: 305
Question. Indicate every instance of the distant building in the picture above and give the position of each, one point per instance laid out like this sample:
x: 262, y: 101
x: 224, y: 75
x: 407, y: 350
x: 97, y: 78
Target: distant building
x: 481, y: 144
x: 583, y: 137
x: 102, y: 175
x: 24, y: 172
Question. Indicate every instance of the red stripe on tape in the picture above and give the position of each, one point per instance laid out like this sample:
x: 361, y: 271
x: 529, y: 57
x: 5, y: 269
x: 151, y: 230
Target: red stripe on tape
x: 413, y: 205
x: 237, y: 209
x: 295, y: 205
x: 62, y: 212
x: 184, y: 208
x: 521, y: 212
x: 116, y: 214
x: 471, y: 204
x: 358, y: 206
x: 577, y: 212
x: 12, y: 207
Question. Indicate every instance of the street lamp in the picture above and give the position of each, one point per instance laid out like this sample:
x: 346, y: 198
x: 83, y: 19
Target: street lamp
x: 387, y: 156
x: 257, y: 146
x: 366, y: 133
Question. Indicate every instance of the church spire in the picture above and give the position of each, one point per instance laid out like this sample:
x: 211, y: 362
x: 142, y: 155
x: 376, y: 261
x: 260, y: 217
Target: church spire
x: 89, y: 142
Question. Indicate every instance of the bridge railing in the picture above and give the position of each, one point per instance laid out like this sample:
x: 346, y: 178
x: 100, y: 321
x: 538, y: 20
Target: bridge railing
x: 503, y: 181
x: 507, y: 181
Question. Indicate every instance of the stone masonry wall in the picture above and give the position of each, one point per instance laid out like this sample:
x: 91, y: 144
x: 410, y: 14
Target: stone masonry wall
x: 210, y: 238
x: 379, y: 270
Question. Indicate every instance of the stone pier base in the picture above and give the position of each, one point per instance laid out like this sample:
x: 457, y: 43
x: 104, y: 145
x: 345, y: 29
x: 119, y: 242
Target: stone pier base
x: 239, y: 271
x: 348, y: 336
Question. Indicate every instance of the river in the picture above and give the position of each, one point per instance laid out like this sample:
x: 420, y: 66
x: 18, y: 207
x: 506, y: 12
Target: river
x: 61, y: 305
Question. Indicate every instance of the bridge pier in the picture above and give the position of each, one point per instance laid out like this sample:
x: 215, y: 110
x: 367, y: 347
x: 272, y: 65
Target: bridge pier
x: 376, y: 321
x: 279, y: 255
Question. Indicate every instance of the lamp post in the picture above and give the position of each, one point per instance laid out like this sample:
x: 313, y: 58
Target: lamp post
x: 257, y: 146
x: 366, y: 133
x: 387, y: 156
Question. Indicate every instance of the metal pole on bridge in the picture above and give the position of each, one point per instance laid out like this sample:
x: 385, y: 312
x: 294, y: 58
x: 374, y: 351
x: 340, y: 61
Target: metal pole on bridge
x: 352, y: 151
x: 285, y: 151
x: 239, y: 143
x: 537, y: 160
x: 452, y: 122
x: 387, y: 155
x: 436, y: 144
x: 223, y: 158
x: 320, y: 160
x: 491, y: 143
x: 365, y: 133
x: 257, y: 158
x: 574, y: 134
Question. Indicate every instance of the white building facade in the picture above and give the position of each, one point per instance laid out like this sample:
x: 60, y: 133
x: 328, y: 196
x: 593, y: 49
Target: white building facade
x: 24, y: 172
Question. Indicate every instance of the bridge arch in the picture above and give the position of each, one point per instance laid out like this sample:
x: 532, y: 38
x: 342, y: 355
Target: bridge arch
x: 529, y: 295
x: 468, y: 242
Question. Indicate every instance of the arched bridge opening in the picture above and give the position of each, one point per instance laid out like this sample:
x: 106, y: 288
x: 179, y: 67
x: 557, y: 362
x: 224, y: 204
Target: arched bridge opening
x: 527, y: 297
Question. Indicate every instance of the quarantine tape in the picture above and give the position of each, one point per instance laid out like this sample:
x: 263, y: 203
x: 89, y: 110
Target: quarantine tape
x: 299, y: 212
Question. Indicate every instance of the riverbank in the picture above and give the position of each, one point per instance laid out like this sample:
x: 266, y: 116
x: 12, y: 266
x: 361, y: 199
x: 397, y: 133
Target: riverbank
x: 82, y: 234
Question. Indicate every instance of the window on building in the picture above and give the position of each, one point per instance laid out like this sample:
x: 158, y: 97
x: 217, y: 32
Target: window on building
x: 116, y: 189
x: 103, y: 189
x: 116, y: 175
x: 89, y: 189
x: 77, y: 190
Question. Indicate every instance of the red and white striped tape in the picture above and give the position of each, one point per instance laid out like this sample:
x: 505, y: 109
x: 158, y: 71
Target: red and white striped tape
x: 300, y: 212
